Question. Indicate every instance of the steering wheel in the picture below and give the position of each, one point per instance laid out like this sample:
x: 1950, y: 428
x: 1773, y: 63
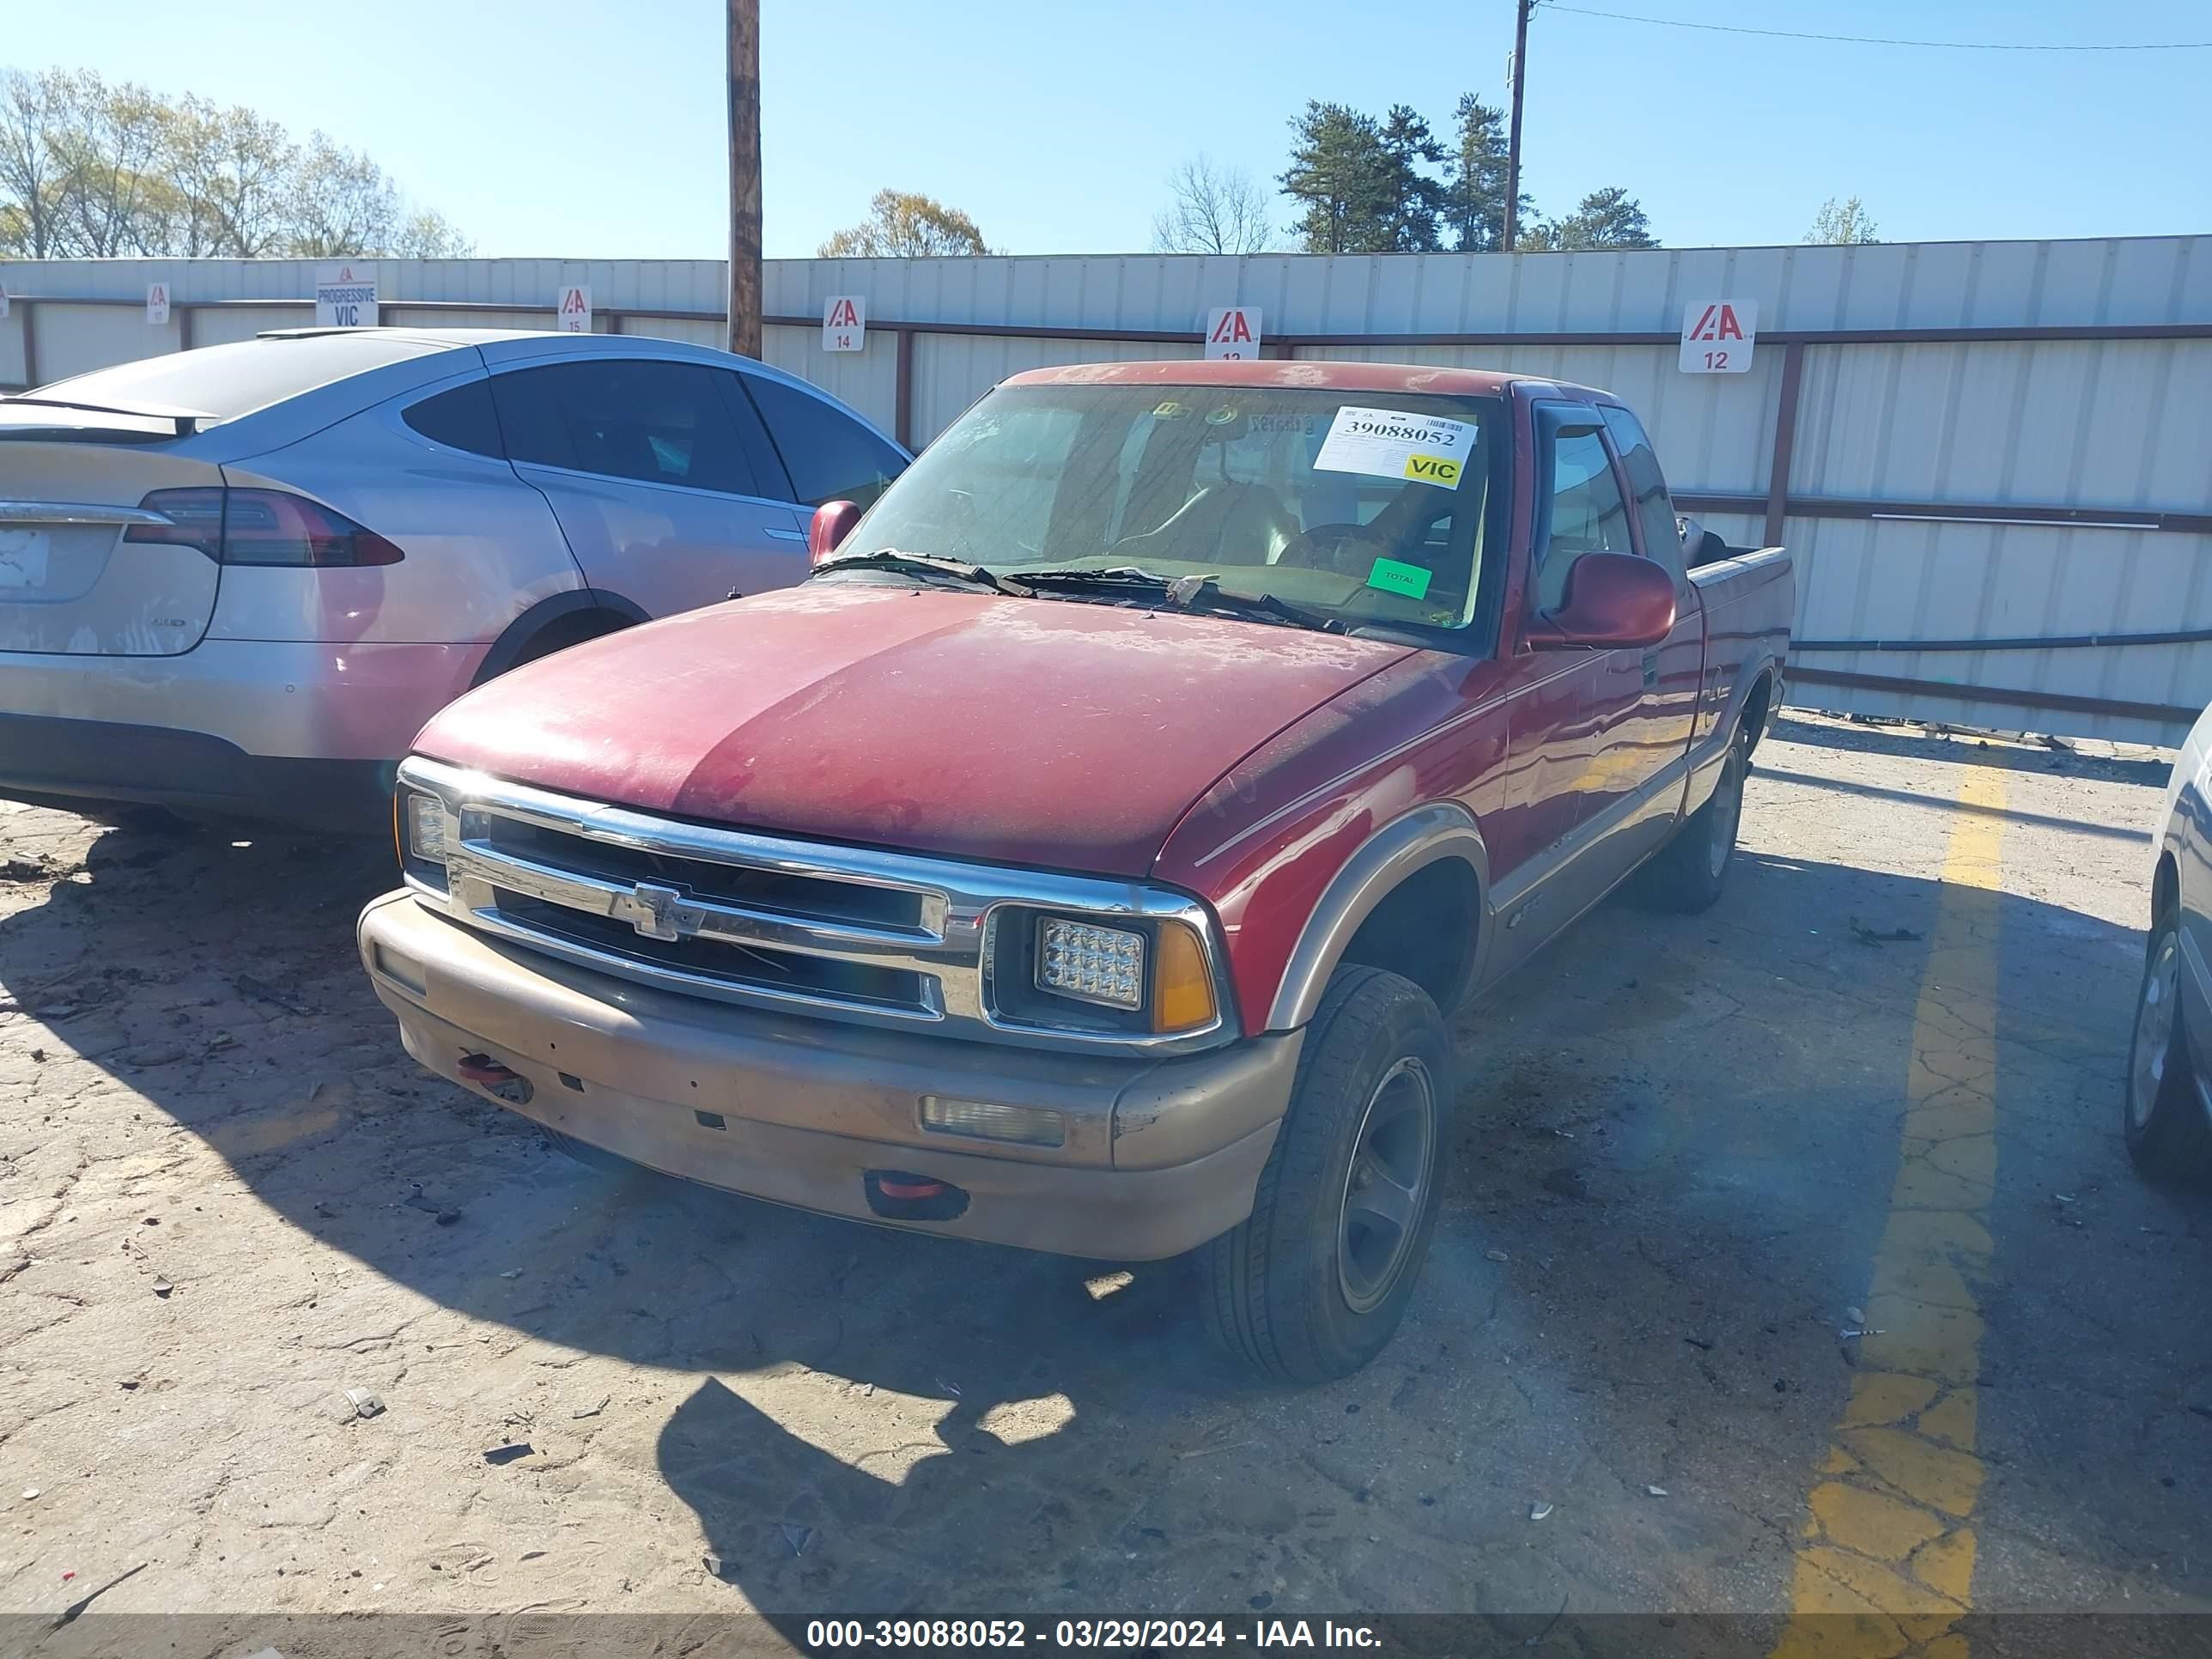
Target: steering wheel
x: 1324, y: 548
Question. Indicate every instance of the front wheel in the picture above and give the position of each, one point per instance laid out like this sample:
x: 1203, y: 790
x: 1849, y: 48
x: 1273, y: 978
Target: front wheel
x: 1313, y: 1285
x: 2164, y: 1122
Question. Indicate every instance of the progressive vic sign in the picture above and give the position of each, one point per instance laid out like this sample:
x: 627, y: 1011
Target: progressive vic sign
x: 345, y: 297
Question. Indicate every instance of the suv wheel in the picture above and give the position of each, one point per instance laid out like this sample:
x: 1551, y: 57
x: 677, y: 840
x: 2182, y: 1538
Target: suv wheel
x: 2163, y: 1119
x: 1313, y: 1285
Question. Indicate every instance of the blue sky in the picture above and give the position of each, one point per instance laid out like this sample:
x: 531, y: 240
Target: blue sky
x: 559, y: 128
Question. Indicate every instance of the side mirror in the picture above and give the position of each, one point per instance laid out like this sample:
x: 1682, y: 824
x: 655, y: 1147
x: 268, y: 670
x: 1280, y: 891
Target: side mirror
x: 833, y: 522
x: 1615, y: 600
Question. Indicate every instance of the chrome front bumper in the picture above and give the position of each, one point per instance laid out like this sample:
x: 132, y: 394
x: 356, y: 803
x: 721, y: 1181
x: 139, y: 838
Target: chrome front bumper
x: 1160, y: 1154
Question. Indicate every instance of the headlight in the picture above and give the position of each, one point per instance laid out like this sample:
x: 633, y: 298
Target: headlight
x: 425, y: 828
x: 1155, y: 978
x: 1090, y: 964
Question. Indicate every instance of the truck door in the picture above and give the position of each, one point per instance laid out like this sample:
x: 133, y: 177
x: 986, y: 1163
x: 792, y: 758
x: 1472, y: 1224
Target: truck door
x: 1573, y: 765
x: 1680, y: 700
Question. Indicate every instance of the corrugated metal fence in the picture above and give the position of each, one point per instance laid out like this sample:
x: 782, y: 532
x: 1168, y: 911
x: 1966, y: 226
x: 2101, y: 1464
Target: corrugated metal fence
x: 1993, y: 459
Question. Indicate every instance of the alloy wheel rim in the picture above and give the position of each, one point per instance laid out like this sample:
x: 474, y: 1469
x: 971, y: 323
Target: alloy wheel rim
x: 2154, y: 1032
x: 1386, y: 1185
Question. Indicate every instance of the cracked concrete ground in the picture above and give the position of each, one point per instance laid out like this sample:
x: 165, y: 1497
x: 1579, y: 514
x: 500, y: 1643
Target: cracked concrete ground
x: 227, y: 1198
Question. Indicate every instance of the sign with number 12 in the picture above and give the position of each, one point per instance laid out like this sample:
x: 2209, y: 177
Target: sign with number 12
x: 1718, y: 335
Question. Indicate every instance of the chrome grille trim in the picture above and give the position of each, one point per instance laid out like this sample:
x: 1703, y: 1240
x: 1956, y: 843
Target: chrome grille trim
x: 947, y: 950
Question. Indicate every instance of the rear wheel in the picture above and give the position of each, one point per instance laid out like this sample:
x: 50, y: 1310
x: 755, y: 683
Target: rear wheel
x: 1689, y: 873
x: 2164, y: 1121
x: 1313, y: 1285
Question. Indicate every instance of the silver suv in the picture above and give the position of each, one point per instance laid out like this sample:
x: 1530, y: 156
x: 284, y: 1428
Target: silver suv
x: 239, y: 579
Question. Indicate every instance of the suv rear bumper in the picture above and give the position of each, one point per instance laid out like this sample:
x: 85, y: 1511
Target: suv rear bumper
x: 1160, y: 1155
x: 304, y: 731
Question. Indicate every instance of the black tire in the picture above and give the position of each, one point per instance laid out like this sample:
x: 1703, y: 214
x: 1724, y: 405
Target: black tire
x: 1689, y: 873
x: 1302, y: 1291
x: 2162, y: 1115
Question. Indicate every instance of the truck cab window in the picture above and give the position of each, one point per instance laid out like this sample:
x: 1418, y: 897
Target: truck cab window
x: 1584, y: 512
x: 1655, y: 511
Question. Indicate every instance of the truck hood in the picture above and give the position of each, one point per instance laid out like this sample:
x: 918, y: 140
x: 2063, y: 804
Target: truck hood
x: 1050, y: 732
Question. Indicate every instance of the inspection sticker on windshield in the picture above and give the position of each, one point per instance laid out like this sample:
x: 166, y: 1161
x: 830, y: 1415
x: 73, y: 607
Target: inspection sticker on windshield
x: 1395, y: 576
x: 1386, y: 443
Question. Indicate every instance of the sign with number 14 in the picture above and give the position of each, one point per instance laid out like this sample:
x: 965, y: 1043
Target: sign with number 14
x: 844, y: 323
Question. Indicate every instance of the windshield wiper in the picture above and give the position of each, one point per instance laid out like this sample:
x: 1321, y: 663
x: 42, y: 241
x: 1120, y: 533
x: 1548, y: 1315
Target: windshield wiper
x: 1199, y: 594
x: 918, y: 564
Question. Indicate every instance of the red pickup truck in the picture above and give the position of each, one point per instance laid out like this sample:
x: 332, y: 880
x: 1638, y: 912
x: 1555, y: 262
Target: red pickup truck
x: 1091, y: 854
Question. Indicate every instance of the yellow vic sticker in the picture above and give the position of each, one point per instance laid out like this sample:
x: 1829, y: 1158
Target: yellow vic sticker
x: 1433, y: 469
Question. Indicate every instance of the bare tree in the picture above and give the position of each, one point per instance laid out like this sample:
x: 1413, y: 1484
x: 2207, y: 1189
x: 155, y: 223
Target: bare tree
x: 233, y: 170
x: 428, y: 234
x: 31, y: 118
x: 110, y: 145
x: 1215, y: 210
x: 1843, y: 222
x: 92, y: 169
x: 341, y: 202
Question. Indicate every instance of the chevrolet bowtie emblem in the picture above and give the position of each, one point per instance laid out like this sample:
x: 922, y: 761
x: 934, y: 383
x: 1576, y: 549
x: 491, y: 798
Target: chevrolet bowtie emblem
x: 655, y: 914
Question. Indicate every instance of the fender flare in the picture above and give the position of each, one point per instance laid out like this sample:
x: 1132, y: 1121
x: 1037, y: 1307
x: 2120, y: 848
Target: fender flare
x: 1403, y: 847
x: 507, y: 650
x: 1767, y: 665
x: 1770, y: 668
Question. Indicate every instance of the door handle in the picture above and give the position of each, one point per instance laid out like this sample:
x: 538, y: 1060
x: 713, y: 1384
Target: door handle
x: 1650, y: 670
x: 786, y: 535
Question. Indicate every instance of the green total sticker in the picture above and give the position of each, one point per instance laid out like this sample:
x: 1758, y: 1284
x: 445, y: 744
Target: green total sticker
x: 1393, y: 577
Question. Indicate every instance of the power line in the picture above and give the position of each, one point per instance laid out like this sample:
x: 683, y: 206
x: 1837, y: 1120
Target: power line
x: 1883, y: 40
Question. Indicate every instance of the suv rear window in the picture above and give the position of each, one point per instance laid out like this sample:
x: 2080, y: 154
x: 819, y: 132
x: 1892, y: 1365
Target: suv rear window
x: 462, y: 418
x: 230, y: 381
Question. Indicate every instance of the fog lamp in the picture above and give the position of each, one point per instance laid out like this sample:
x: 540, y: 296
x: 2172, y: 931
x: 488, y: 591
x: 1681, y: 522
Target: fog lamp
x: 1090, y: 964
x: 988, y: 1120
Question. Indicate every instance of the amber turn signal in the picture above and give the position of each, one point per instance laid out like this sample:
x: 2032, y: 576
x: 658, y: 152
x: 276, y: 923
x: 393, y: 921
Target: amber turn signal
x: 1183, y: 989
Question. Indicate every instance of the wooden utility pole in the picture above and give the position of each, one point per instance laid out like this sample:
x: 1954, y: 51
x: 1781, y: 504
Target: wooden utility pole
x: 744, y: 178
x: 1522, y: 8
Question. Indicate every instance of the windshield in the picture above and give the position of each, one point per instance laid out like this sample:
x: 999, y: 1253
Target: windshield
x: 1366, y: 505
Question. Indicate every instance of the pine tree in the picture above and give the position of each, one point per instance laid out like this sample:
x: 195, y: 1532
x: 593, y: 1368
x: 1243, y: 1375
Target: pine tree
x: 1606, y: 218
x: 1474, y: 200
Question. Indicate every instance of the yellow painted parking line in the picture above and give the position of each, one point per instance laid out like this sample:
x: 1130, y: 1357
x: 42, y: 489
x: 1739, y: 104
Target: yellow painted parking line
x: 1886, y: 1565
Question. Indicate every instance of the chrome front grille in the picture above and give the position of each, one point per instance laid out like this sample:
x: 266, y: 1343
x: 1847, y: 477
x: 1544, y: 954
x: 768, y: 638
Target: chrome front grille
x: 703, y: 908
x: 850, y: 932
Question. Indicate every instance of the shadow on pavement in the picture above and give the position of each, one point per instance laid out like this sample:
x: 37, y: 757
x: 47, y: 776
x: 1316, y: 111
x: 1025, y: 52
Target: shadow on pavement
x: 1918, y: 742
x: 1673, y: 1159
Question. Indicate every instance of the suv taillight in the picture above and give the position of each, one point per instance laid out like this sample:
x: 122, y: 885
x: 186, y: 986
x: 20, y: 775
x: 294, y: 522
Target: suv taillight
x: 259, y: 526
